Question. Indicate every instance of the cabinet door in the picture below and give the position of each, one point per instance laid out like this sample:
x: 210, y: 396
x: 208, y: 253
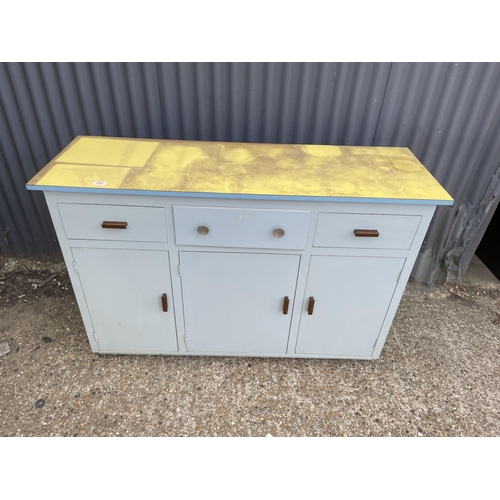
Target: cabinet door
x: 123, y: 290
x: 351, y: 298
x: 233, y: 302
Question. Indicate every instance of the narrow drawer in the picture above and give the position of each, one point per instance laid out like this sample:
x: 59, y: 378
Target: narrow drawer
x: 366, y: 231
x: 240, y: 227
x: 85, y: 222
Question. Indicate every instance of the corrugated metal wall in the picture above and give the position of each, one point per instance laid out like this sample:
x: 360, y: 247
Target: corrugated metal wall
x: 448, y: 114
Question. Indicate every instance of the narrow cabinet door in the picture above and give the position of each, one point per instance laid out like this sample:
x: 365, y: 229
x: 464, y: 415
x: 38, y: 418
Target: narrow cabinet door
x: 127, y: 292
x: 234, y: 303
x: 345, y: 304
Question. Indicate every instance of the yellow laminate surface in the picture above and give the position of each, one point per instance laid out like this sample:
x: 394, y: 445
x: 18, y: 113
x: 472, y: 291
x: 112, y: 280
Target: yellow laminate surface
x: 241, y: 169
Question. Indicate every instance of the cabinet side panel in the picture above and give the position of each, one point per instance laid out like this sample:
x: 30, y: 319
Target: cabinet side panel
x: 427, y: 213
x: 52, y: 198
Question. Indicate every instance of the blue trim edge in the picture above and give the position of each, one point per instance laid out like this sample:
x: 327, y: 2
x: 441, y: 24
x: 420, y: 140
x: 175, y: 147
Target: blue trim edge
x: 397, y: 201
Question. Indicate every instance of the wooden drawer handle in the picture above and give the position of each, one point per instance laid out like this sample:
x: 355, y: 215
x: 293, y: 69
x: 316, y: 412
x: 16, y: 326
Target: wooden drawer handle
x: 112, y: 224
x: 286, y: 303
x: 310, y: 309
x: 164, y: 302
x: 369, y: 233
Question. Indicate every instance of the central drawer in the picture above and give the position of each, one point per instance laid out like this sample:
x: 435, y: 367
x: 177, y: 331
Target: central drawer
x: 240, y: 227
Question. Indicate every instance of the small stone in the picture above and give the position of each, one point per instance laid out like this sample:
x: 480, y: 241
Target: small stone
x: 269, y: 436
x: 4, y: 348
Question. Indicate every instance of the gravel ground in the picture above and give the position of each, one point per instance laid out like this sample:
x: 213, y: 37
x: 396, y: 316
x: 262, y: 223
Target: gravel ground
x: 438, y: 375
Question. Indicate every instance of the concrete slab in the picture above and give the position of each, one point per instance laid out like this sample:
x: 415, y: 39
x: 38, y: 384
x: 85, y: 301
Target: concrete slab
x: 479, y: 276
x: 438, y: 375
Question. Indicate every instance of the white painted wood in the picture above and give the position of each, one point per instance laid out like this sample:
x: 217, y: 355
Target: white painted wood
x: 208, y: 330
x: 82, y: 221
x: 285, y: 204
x: 337, y: 230
x: 352, y: 295
x: 51, y: 199
x: 123, y: 291
x: 427, y: 213
x: 233, y: 302
x: 240, y: 354
x: 240, y: 227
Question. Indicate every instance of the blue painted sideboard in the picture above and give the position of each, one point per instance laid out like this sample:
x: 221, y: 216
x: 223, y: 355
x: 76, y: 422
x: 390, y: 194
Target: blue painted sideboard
x: 202, y: 248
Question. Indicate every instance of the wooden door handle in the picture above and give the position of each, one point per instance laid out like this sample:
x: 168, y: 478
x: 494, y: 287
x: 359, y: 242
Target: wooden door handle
x: 164, y: 302
x: 310, y: 309
x: 112, y: 224
x: 370, y: 233
x: 286, y: 303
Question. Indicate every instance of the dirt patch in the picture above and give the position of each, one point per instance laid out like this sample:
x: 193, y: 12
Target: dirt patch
x: 37, y: 304
x: 25, y: 280
x: 469, y: 293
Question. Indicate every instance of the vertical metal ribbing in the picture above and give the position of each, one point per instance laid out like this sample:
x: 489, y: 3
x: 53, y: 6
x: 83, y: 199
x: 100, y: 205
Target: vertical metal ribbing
x: 446, y: 113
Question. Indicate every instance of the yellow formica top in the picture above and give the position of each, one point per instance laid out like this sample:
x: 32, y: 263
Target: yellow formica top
x: 244, y: 170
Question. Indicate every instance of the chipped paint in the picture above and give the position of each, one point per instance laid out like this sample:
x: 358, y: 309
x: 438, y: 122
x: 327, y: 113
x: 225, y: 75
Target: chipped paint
x: 242, y: 169
x: 469, y: 224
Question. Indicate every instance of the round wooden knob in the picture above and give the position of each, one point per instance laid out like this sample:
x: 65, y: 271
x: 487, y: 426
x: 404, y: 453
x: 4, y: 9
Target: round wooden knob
x: 278, y: 232
x: 203, y: 230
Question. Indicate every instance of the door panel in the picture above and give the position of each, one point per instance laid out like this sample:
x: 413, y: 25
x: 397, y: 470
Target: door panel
x: 123, y: 290
x: 233, y: 302
x: 351, y: 298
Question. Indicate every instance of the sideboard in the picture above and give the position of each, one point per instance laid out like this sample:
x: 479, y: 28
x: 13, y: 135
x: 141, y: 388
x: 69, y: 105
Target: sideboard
x: 238, y: 249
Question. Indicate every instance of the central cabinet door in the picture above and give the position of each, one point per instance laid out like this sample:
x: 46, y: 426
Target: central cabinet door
x: 234, y: 302
x: 129, y: 297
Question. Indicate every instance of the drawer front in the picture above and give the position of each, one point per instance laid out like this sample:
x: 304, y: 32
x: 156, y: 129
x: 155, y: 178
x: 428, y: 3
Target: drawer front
x: 84, y: 222
x: 240, y: 227
x: 338, y: 231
